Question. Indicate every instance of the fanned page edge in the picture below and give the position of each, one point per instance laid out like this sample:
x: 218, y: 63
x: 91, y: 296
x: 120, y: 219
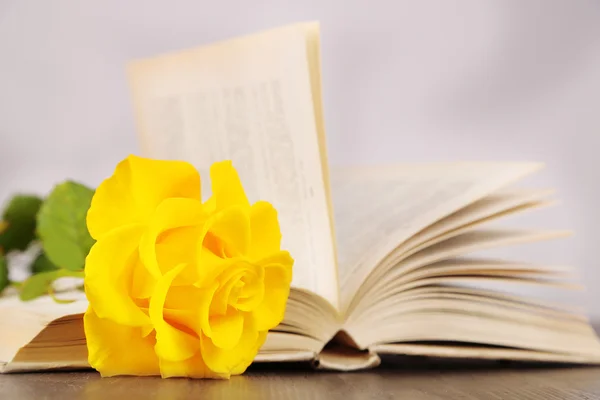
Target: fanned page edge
x: 506, y: 173
x: 431, y: 236
x: 516, y: 353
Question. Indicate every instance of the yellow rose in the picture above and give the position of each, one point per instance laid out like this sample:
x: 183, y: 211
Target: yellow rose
x: 177, y: 287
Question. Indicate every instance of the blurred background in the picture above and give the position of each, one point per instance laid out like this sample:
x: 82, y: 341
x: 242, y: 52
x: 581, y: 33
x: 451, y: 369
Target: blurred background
x: 403, y: 81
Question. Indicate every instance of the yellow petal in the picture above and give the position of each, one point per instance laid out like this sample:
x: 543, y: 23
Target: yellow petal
x: 137, y: 186
x: 251, y: 294
x: 147, y: 330
x: 210, y: 205
x: 265, y: 232
x: 187, y: 319
x: 242, y: 366
x: 210, y: 266
x: 142, y: 282
x: 229, y: 286
x: 236, y: 359
x: 204, y: 303
x: 183, y: 297
x: 178, y: 246
x: 232, y: 228
x: 278, y: 276
x: 170, y: 214
x: 108, y: 273
x: 172, y: 344
x: 182, y: 307
x: 191, y: 368
x: 240, y: 285
x: 281, y: 259
x: 115, y: 349
x: 227, y: 329
x: 227, y: 190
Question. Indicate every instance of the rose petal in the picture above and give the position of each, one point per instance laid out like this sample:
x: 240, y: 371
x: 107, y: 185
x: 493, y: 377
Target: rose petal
x: 171, y: 343
x: 115, y: 349
x: 265, y: 231
x: 178, y: 246
x: 229, y: 284
x: 278, y: 275
x: 252, y: 293
x: 236, y: 359
x: 240, y: 285
x: 170, y: 214
x: 191, y: 368
x: 209, y: 266
x: 187, y: 319
x: 182, y: 307
x: 183, y: 297
x: 227, y: 190
x: 227, y: 329
x: 142, y: 282
x: 137, y: 186
x: 207, y: 294
x: 232, y: 228
x: 108, y: 271
x: 250, y: 355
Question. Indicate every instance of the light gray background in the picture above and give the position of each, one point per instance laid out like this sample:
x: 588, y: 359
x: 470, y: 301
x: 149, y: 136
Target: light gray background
x: 403, y: 80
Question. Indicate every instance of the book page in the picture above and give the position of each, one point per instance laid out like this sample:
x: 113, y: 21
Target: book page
x: 249, y: 100
x: 467, y: 219
x: 396, y: 280
x: 27, y: 318
x: 46, y: 335
x: 447, y: 320
x: 495, y: 206
x: 378, y: 208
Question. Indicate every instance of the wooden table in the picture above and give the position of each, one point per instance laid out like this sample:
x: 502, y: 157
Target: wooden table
x: 397, y: 378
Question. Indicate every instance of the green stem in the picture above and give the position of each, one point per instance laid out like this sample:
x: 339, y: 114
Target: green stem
x: 52, y: 294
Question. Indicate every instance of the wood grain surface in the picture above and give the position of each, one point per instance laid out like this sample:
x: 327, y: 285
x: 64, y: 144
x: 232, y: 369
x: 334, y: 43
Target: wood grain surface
x: 400, y: 378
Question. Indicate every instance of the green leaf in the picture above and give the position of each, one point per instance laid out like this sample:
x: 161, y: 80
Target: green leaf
x: 40, y: 284
x: 62, y: 225
x: 42, y: 264
x: 4, y: 282
x: 19, y: 222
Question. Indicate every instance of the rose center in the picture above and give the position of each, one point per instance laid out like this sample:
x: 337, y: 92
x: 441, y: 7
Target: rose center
x: 242, y: 288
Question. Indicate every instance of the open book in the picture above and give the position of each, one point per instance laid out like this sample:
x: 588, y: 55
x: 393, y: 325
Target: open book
x: 384, y: 254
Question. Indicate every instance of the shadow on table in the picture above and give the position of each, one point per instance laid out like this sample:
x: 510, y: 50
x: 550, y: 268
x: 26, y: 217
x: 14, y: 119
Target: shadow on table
x: 415, y: 364
x: 410, y: 377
